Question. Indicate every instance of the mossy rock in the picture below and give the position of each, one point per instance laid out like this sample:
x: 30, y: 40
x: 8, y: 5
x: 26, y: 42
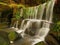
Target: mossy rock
x: 41, y: 43
x: 12, y: 36
x: 3, y: 38
x: 4, y: 34
x: 3, y: 41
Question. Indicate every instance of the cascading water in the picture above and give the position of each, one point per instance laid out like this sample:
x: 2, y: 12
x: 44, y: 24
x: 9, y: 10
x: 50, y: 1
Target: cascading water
x: 40, y: 11
x: 45, y: 28
x: 32, y: 29
x: 19, y: 14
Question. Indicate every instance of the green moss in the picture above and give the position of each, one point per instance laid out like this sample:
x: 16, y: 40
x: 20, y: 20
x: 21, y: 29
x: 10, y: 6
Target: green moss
x: 41, y: 43
x: 12, y: 36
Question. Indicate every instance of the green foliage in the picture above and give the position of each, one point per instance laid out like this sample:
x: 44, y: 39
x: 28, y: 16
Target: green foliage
x: 17, y: 15
x: 12, y: 36
x: 28, y: 12
x: 56, y: 27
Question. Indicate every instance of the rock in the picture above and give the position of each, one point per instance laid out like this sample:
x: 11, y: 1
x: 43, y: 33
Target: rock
x: 3, y: 38
x: 51, y: 40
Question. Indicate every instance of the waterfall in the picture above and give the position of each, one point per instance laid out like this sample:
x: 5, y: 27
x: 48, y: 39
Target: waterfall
x: 45, y: 28
x: 18, y: 15
x: 49, y: 13
x: 34, y: 21
x: 41, y: 11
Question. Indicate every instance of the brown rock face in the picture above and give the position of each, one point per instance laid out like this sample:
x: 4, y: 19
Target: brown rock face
x: 30, y: 2
x: 27, y: 3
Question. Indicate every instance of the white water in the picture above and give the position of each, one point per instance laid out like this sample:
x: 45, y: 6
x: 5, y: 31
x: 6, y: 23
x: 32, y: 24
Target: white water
x: 40, y: 11
x: 45, y: 28
x: 42, y: 32
x: 15, y: 25
x: 49, y: 13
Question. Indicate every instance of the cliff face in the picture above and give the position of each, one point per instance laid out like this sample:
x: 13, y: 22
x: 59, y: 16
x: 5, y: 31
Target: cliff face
x: 3, y: 7
x: 57, y: 7
x: 30, y: 2
x: 25, y: 2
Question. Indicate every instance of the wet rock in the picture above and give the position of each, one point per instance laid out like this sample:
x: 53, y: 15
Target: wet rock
x: 51, y: 40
